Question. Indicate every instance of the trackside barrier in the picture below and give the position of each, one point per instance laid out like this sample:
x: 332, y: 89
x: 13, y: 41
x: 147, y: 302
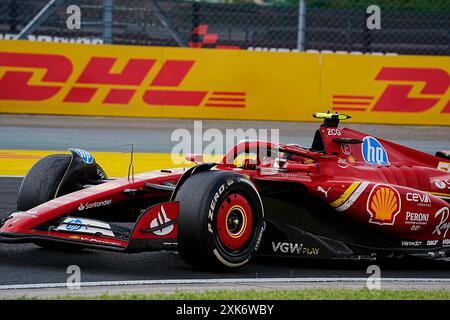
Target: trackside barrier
x: 57, y: 78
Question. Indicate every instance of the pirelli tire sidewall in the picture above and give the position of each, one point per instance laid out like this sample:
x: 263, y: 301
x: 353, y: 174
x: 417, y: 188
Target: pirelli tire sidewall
x: 198, y: 239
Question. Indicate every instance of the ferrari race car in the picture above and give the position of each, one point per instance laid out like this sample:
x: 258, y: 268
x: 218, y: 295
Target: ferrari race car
x: 348, y: 196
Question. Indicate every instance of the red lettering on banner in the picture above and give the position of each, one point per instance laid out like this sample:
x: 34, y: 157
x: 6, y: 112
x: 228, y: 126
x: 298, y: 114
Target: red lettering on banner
x: 14, y: 84
x: 119, y: 96
x: 174, y: 98
x: 395, y: 99
x: 81, y: 95
x: 446, y: 108
x: 98, y: 71
x: 172, y: 73
x: 395, y: 96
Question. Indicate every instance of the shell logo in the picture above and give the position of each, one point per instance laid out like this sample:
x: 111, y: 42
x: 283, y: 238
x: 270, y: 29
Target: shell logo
x: 383, y: 204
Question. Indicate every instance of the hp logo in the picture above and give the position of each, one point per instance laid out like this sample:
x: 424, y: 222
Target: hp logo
x: 74, y: 225
x: 373, y: 152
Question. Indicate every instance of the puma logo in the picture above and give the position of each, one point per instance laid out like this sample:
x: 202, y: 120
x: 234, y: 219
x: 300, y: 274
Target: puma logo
x: 319, y: 188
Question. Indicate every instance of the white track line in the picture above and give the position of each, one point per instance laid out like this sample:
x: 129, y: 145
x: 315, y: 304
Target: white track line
x: 10, y: 176
x: 215, y: 281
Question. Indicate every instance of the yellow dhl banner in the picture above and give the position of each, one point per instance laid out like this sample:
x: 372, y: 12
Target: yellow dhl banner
x: 73, y: 79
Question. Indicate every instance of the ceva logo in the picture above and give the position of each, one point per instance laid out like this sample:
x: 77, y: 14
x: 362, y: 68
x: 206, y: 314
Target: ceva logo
x: 373, y: 152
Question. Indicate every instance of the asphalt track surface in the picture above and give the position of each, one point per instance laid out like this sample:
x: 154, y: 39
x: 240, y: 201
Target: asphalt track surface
x: 28, y: 264
x: 33, y: 132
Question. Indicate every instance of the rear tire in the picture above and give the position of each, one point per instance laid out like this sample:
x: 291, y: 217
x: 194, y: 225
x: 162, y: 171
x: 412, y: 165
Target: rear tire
x: 220, y: 221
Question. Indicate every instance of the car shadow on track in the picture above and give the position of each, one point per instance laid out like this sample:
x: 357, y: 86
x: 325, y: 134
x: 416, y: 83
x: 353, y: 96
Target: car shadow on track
x: 404, y: 264
x: 49, y: 266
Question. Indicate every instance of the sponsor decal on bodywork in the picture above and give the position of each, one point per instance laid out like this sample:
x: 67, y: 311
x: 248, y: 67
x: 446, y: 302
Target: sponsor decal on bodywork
x: 73, y: 225
x: 83, y: 225
x: 346, y: 149
x: 287, y: 247
x: 162, y: 220
x: 311, y: 251
x: 342, y: 163
x: 443, y: 226
x: 383, y: 204
x: 325, y: 192
x: 348, y: 198
x: 373, y: 152
x: 420, y: 199
x: 411, y: 243
x: 93, y: 205
x: 417, y: 218
x: 294, y: 248
x: 440, y: 184
x: 334, y: 132
x: 100, y: 241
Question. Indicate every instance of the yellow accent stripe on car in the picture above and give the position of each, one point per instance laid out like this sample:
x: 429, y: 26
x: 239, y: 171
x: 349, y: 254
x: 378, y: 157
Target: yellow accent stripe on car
x: 345, y: 195
x: 440, y: 194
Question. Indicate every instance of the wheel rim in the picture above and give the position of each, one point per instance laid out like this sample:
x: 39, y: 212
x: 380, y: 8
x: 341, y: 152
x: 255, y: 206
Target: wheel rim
x: 234, y: 222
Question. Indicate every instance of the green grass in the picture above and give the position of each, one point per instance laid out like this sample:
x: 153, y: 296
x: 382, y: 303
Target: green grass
x: 304, y: 294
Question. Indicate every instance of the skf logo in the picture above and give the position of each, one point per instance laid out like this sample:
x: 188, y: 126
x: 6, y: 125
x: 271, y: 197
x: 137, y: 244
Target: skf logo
x: 396, y: 97
x: 54, y: 71
x: 383, y: 204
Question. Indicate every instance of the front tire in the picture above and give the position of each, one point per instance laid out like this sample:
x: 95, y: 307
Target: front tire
x: 220, y: 221
x: 42, y: 181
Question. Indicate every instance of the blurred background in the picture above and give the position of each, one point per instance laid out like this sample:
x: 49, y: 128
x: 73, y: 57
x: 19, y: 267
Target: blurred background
x: 408, y: 26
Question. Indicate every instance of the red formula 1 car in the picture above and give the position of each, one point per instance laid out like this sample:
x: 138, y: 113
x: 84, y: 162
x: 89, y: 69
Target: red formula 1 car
x: 348, y: 196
